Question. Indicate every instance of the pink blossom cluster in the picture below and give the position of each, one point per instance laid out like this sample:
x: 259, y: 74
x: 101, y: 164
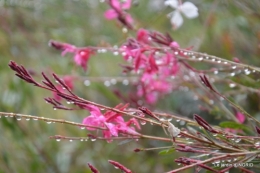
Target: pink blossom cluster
x: 113, y: 121
x: 118, y: 12
x: 156, y: 67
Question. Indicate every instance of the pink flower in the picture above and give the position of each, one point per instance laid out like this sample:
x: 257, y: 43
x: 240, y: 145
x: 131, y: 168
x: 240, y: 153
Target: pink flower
x: 240, y: 117
x: 113, y: 121
x: 82, y: 56
x: 143, y: 35
x: 117, y: 12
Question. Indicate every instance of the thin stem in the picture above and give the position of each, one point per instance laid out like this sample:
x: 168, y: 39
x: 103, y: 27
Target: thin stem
x: 49, y: 120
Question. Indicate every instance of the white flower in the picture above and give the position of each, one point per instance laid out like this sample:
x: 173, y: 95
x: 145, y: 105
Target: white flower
x: 187, y: 8
x: 174, y: 131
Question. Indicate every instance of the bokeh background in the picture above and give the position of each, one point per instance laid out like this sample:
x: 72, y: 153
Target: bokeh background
x: 225, y: 28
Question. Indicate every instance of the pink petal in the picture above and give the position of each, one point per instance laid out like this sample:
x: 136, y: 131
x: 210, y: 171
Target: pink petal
x: 129, y: 19
x: 111, y: 14
x: 240, y: 117
x: 127, y: 4
x: 112, y: 128
x: 115, y: 4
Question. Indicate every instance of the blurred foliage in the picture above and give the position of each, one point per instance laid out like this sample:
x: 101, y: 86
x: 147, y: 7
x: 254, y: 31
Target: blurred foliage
x: 225, y: 28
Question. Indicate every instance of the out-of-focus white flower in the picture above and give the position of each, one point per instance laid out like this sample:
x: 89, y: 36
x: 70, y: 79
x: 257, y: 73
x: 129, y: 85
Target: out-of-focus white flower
x: 187, y: 8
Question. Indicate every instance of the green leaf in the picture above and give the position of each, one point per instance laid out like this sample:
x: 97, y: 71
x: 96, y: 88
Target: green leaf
x: 168, y: 151
x: 233, y: 125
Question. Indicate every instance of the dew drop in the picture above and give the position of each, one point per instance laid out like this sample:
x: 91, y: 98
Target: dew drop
x: 215, y: 134
x: 219, y: 61
x: 211, y: 102
x: 237, y: 140
x: 18, y: 118
x: 115, y: 53
x: 200, y: 58
x: 115, y: 167
x: 142, y: 122
x: 71, y: 140
x: 247, y: 72
x: 217, y: 161
x: 82, y: 127
x: 54, y: 109
x: 169, y: 119
x: 6, y: 116
x: 107, y: 83
x: 216, y: 72
x: 48, y: 122
x: 232, y: 74
x: 58, y: 140
x: 113, y: 81
x: 176, y: 53
x: 213, y: 60
x: 178, y: 120
x: 35, y: 119
x: 68, y: 103
x: 234, y: 67
x: 182, y: 123
x: 257, y: 144
x: 93, y: 139
x: 87, y: 82
x: 136, y: 140
x: 81, y: 140
x: 225, y: 62
x: 125, y: 82
x: 86, y: 139
x: 27, y: 119
x: 232, y: 85
x: 151, y: 123
x: 124, y: 30
x: 178, y: 164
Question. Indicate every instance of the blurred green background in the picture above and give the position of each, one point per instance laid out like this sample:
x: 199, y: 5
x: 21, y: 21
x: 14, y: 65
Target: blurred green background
x: 225, y: 28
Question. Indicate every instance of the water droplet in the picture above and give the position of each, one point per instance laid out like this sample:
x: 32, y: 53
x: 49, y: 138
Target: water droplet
x: 27, y: 119
x: 232, y: 74
x: 257, y: 144
x: 162, y: 119
x: 86, y: 139
x: 71, y: 140
x: 178, y: 164
x: 54, y: 109
x: 211, y: 102
x: 219, y: 61
x: 169, y: 119
x: 216, y: 72
x: 178, y: 120
x: 58, y: 140
x: 115, y: 53
x: 215, y: 134
x: 81, y: 140
x: 151, y: 123
x: 136, y: 140
x: 113, y: 81
x: 35, y: 119
x: 18, y: 118
x: 107, y: 83
x: 234, y: 67
x: 182, y: 123
x: 6, y: 116
x: 237, y: 140
x: 200, y: 58
x: 142, y: 122
x: 87, y: 82
x: 68, y: 103
x: 124, y: 30
x: 103, y: 50
x: 247, y: 72
x: 125, y: 82
x: 232, y: 85
x: 48, y: 122
x: 213, y: 60
x: 93, y: 139
x: 56, y: 81
x: 217, y: 161
x: 225, y: 62
x: 115, y: 167
x: 82, y: 127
